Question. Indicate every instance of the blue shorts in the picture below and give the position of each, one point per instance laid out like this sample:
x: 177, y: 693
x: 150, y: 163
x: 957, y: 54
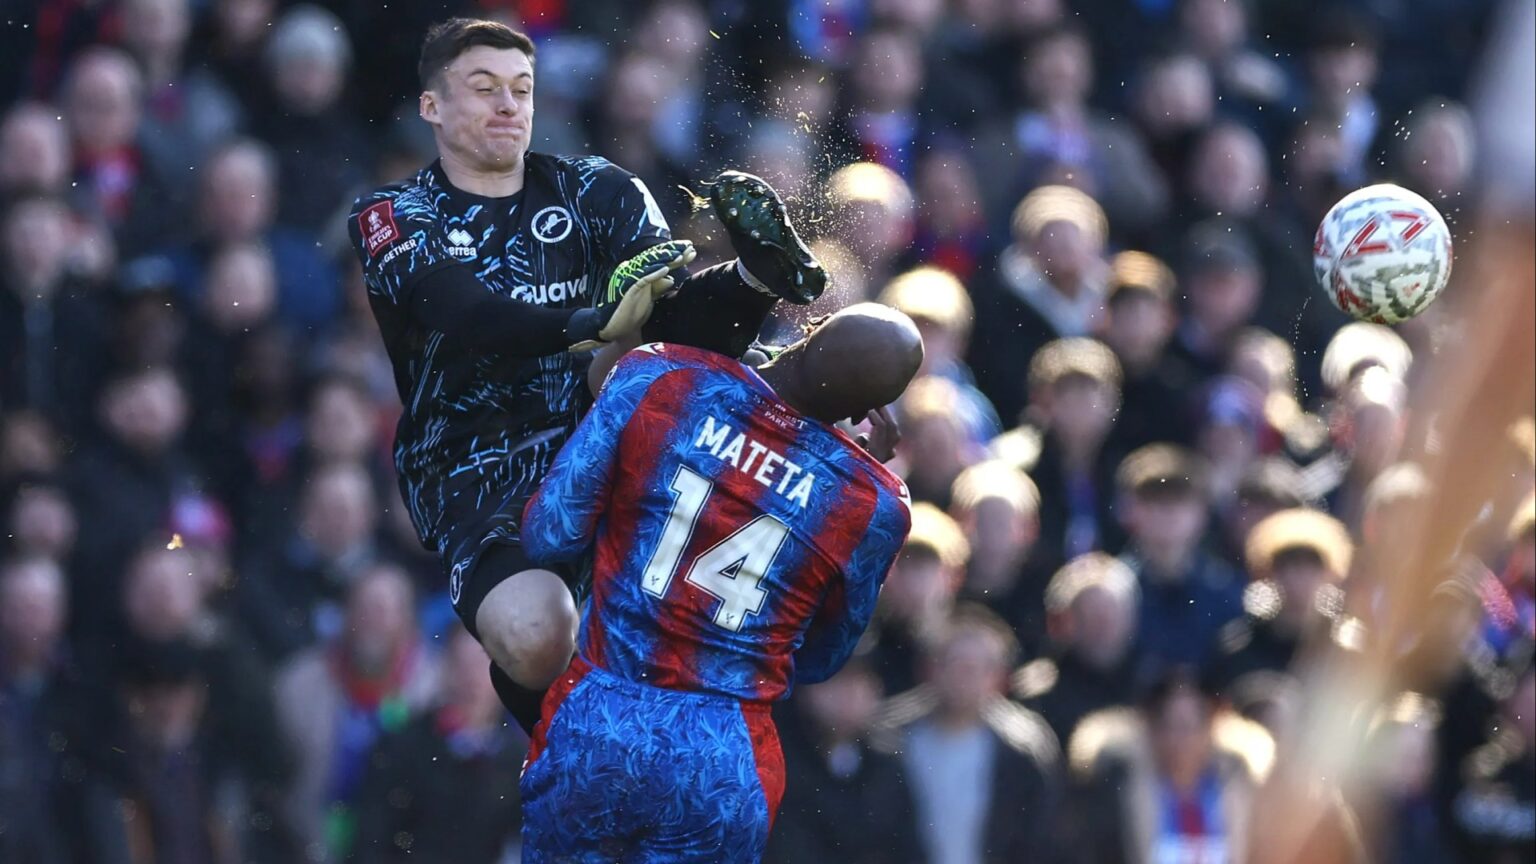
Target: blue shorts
x: 619, y: 771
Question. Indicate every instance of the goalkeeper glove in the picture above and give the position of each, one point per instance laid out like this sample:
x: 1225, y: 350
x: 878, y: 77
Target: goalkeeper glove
x: 632, y: 292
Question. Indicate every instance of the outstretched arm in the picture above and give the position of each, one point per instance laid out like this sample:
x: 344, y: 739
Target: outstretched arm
x: 560, y: 522
x: 406, y: 263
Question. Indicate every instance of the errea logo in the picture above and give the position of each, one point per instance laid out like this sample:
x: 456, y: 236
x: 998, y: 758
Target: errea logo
x: 462, y: 244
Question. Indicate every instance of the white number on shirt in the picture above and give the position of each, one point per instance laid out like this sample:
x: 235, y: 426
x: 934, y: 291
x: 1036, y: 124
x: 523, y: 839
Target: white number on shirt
x: 731, y: 570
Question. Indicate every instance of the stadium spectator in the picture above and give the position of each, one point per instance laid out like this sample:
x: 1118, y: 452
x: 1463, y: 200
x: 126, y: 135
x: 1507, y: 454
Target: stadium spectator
x: 937, y: 442
x: 1509, y: 596
x: 29, y: 447
x: 803, y: 94
x: 229, y: 42
x: 938, y: 304
x: 1223, y: 283
x: 187, y: 110
x: 1343, y: 61
x: 51, y: 315
x: 1229, y: 186
x: 628, y: 115
x: 870, y: 213
x: 1173, y: 101
x: 238, y: 203
x: 1312, y: 178
x: 335, y: 699
x: 951, y: 229
x: 1048, y: 284
x: 682, y: 118
x: 1366, y: 430
x: 985, y: 772
x: 918, y: 596
x: 855, y: 804
x: 123, y: 177
x: 1492, y: 815
x: 1298, y: 560
x: 1269, y: 363
x: 166, y: 776
x: 1229, y: 173
x: 126, y: 484
x: 998, y: 508
x: 780, y: 152
x: 1074, y: 387
x: 41, y: 522
x: 1436, y: 154
x: 1233, y: 434
x: 167, y: 608
x: 881, y: 119
x: 322, y: 151
x: 1246, y: 81
x: 34, y: 152
x: 1154, y: 394
x: 293, y: 585
x: 1175, y: 778
x: 41, y: 701
x: 1187, y: 594
x: 1060, y: 131
x: 1090, y: 607
x: 421, y: 797
x: 1403, y: 746
x: 1358, y: 346
x: 1271, y: 484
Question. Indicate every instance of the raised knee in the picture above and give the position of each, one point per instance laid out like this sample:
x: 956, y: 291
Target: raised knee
x: 528, y: 625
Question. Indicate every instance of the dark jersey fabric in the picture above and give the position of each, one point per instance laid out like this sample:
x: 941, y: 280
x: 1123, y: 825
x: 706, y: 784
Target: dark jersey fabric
x: 481, y: 425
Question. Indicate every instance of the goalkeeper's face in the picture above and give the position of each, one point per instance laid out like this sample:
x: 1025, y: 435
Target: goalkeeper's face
x: 481, y: 108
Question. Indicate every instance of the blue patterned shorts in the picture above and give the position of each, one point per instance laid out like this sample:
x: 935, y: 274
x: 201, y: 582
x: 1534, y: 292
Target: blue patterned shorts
x: 619, y: 771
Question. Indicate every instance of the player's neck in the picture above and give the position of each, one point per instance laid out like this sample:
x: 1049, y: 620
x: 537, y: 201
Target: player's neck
x: 781, y: 375
x: 482, y: 182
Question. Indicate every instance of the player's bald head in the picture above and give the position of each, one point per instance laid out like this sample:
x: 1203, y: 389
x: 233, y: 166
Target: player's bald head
x: 860, y: 359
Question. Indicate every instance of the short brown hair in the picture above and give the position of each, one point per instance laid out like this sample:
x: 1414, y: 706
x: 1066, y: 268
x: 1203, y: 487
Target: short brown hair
x: 1090, y: 570
x: 932, y: 294
x: 1162, y: 469
x: 1299, y: 528
x: 1139, y: 272
x: 1078, y: 355
x: 974, y: 619
x: 446, y: 40
x: 934, y: 532
x: 995, y: 479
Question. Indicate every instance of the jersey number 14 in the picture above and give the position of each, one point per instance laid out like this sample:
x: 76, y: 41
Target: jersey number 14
x: 731, y: 570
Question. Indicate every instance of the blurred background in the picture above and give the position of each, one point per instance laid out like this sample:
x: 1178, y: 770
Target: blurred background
x: 1144, y: 447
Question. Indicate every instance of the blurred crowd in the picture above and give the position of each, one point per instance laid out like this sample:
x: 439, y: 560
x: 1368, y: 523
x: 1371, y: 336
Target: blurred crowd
x: 1143, y: 447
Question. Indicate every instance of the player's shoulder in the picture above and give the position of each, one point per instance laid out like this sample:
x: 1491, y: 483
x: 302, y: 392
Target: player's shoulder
x: 887, y: 484
x: 416, y: 191
x: 389, y: 214
x: 585, y: 166
x: 655, y: 355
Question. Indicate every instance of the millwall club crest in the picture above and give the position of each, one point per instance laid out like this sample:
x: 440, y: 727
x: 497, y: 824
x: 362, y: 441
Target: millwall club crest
x: 552, y: 224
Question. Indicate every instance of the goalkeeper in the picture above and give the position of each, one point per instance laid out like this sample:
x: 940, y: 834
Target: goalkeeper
x: 493, y: 272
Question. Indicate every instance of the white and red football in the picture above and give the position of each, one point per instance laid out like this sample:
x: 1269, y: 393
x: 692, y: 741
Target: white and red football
x: 1382, y: 254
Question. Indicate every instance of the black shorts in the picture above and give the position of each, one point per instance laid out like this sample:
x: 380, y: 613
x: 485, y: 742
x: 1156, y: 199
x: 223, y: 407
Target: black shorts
x: 496, y: 561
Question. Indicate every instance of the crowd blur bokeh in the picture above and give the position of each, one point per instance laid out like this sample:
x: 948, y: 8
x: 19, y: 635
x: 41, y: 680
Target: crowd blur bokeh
x: 1143, y: 448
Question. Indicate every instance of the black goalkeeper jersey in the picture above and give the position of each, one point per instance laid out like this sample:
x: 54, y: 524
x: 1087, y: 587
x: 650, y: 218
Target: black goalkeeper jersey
x: 480, y: 427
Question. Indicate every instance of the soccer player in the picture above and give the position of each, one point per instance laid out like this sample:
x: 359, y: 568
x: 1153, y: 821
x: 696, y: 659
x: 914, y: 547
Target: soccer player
x: 489, y: 272
x: 740, y: 543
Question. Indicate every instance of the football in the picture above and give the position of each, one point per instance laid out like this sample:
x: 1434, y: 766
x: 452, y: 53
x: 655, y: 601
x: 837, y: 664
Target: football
x: 1382, y: 254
